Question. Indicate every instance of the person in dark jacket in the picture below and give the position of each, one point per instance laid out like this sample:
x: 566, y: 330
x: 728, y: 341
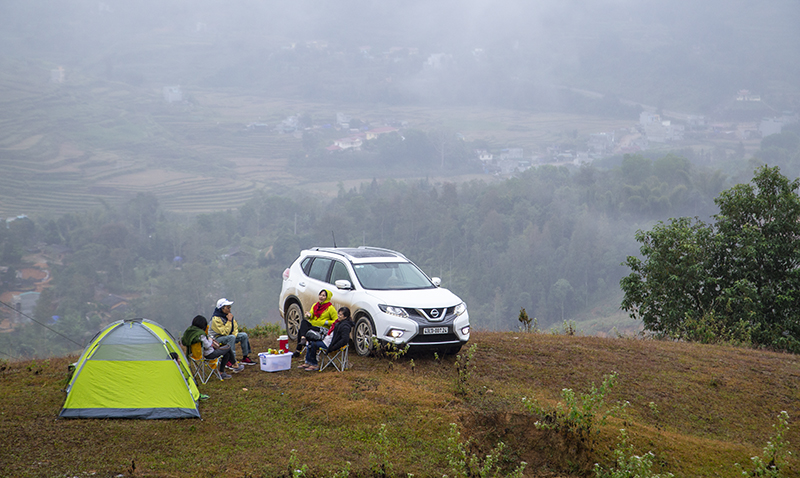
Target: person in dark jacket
x: 337, y: 337
x: 211, y: 348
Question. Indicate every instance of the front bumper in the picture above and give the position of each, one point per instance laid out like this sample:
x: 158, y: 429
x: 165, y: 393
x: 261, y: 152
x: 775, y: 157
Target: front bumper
x: 414, y: 329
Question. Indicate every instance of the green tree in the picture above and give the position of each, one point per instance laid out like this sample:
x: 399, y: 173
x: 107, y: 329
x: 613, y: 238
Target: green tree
x: 737, y: 279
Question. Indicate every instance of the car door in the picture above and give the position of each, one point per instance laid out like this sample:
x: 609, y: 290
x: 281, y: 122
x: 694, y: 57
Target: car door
x: 341, y: 297
x: 316, y: 280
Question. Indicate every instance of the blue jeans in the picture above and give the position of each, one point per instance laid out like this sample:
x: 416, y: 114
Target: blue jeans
x: 240, y: 338
x: 311, y: 351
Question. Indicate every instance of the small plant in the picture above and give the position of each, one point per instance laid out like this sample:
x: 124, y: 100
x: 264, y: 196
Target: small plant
x: 464, y: 368
x: 576, y: 415
x: 567, y: 328
x: 464, y: 465
x: 775, y: 452
x: 628, y: 464
x: 344, y: 472
x: 37, y: 367
x: 296, y: 470
x: 388, y: 350
x: 379, y: 459
x: 527, y: 324
x: 654, y: 410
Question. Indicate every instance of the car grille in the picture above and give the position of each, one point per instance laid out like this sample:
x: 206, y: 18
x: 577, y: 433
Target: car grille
x: 420, y: 339
x: 436, y: 315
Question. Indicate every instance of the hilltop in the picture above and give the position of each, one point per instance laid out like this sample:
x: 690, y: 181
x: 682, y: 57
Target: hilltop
x: 698, y: 408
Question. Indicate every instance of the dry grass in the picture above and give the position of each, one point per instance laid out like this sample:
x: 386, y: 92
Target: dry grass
x: 715, y: 407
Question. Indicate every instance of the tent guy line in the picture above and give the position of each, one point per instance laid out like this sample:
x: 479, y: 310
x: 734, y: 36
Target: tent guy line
x: 36, y: 321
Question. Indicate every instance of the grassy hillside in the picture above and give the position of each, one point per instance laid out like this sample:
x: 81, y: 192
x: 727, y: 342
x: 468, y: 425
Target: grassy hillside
x: 699, y: 409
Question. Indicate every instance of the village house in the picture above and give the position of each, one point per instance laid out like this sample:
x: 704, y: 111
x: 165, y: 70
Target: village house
x: 511, y: 153
x: 601, y: 143
x: 57, y: 75
x: 351, y: 142
x: 343, y: 120
x: 484, y: 155
x: 375, y: 132
x: 355, y: 141
x: 172, y: 94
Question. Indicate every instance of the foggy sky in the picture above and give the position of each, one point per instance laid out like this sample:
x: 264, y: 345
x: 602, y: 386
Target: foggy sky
x: 555, y: 41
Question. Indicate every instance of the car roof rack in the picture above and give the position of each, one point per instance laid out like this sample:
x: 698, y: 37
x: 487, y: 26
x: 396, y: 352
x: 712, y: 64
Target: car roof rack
x: 383, y: 250
x: 345, y: 251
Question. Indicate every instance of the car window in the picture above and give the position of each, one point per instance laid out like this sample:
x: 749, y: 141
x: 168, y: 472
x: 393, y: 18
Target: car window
x: 319, y: 269
x: 306, y: 264
x: 339, y: 272
x: 391, y: 276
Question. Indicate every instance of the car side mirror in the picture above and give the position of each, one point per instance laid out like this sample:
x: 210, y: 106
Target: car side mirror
x: 343, y: 284
x: 436, y: 281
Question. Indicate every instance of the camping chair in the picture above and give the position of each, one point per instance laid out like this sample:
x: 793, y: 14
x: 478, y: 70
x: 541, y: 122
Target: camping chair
x: 203, y: 368
x: 335, y: 358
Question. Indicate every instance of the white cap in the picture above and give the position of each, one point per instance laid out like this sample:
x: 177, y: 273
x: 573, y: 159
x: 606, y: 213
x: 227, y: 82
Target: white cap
x: 223, y: 302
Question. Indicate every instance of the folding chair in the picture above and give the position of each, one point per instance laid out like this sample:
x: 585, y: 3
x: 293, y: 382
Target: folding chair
x: 335, y: 358
x: 203, y: 369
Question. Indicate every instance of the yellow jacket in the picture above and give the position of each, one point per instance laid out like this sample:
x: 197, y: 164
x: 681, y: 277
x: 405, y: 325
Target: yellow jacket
x: 327, y: 317
x: 222, y: 326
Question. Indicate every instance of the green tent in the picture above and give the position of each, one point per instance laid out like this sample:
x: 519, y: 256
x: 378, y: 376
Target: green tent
x: 132, y: 369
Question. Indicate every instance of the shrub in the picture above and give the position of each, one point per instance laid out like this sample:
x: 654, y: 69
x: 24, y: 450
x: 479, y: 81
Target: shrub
x: 577, y: 413
x: 628, y: 464
x: 775, y: 451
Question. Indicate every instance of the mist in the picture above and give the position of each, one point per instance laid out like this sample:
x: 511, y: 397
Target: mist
x: 513, y: 148
x: 649, y: 52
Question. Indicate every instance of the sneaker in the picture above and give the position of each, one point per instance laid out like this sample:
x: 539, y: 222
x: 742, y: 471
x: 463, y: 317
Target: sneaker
x: 231, y: 365
x: 225, y: 376
x: 203, y: 396
x: 247, y: 361
x: 237, y: 368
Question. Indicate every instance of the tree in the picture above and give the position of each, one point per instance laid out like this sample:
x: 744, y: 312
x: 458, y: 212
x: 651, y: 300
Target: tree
x: 738, y: 279
x: 760, y: 224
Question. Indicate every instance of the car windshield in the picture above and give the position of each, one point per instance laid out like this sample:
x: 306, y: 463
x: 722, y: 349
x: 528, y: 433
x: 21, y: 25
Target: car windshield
x: 391, y: 276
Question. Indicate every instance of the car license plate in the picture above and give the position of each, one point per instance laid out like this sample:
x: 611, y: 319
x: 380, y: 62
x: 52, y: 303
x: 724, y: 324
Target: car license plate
x: 434, y: 330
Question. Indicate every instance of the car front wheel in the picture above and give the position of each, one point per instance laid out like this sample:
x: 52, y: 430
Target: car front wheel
x: 294, y: 314
x: 362, y: 338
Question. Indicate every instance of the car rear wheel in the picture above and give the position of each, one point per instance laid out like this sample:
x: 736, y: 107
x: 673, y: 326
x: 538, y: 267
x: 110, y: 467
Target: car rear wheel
x: 294, y: 314
x: 362, y: 337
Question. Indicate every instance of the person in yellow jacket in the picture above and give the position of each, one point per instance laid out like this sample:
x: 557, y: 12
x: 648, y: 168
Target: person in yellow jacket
x: 323, y: 314
x: 225, y: 330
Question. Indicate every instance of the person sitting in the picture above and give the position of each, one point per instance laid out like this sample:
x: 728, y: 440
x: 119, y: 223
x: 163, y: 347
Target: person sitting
x: 323, y: 314
x: 211, y: 348
x: 337, y: 337
x: 225, y: 330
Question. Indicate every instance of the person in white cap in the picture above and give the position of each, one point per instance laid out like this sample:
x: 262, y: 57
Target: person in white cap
x: 225, y: 330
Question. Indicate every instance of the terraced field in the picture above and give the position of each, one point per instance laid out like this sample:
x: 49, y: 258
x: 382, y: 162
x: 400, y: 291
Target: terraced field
x: 67, y: 147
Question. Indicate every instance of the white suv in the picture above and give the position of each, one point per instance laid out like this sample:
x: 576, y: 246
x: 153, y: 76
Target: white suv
x: 388, y: 295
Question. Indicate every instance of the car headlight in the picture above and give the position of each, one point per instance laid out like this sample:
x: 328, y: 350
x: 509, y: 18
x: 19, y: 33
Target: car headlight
x: 460, y: 308
x: 398, y: 311
x: 395, y: 333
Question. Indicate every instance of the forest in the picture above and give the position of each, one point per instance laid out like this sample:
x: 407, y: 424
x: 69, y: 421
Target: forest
x: 551, y: 240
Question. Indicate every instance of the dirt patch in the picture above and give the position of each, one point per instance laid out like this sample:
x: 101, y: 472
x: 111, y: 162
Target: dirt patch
x: 548, y: 453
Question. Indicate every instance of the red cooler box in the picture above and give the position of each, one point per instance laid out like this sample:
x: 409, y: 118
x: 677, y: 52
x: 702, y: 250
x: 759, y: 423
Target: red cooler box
x: 275, y: 362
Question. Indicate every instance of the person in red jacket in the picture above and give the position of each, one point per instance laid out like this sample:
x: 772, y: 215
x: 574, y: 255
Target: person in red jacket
x: 323, y: 314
